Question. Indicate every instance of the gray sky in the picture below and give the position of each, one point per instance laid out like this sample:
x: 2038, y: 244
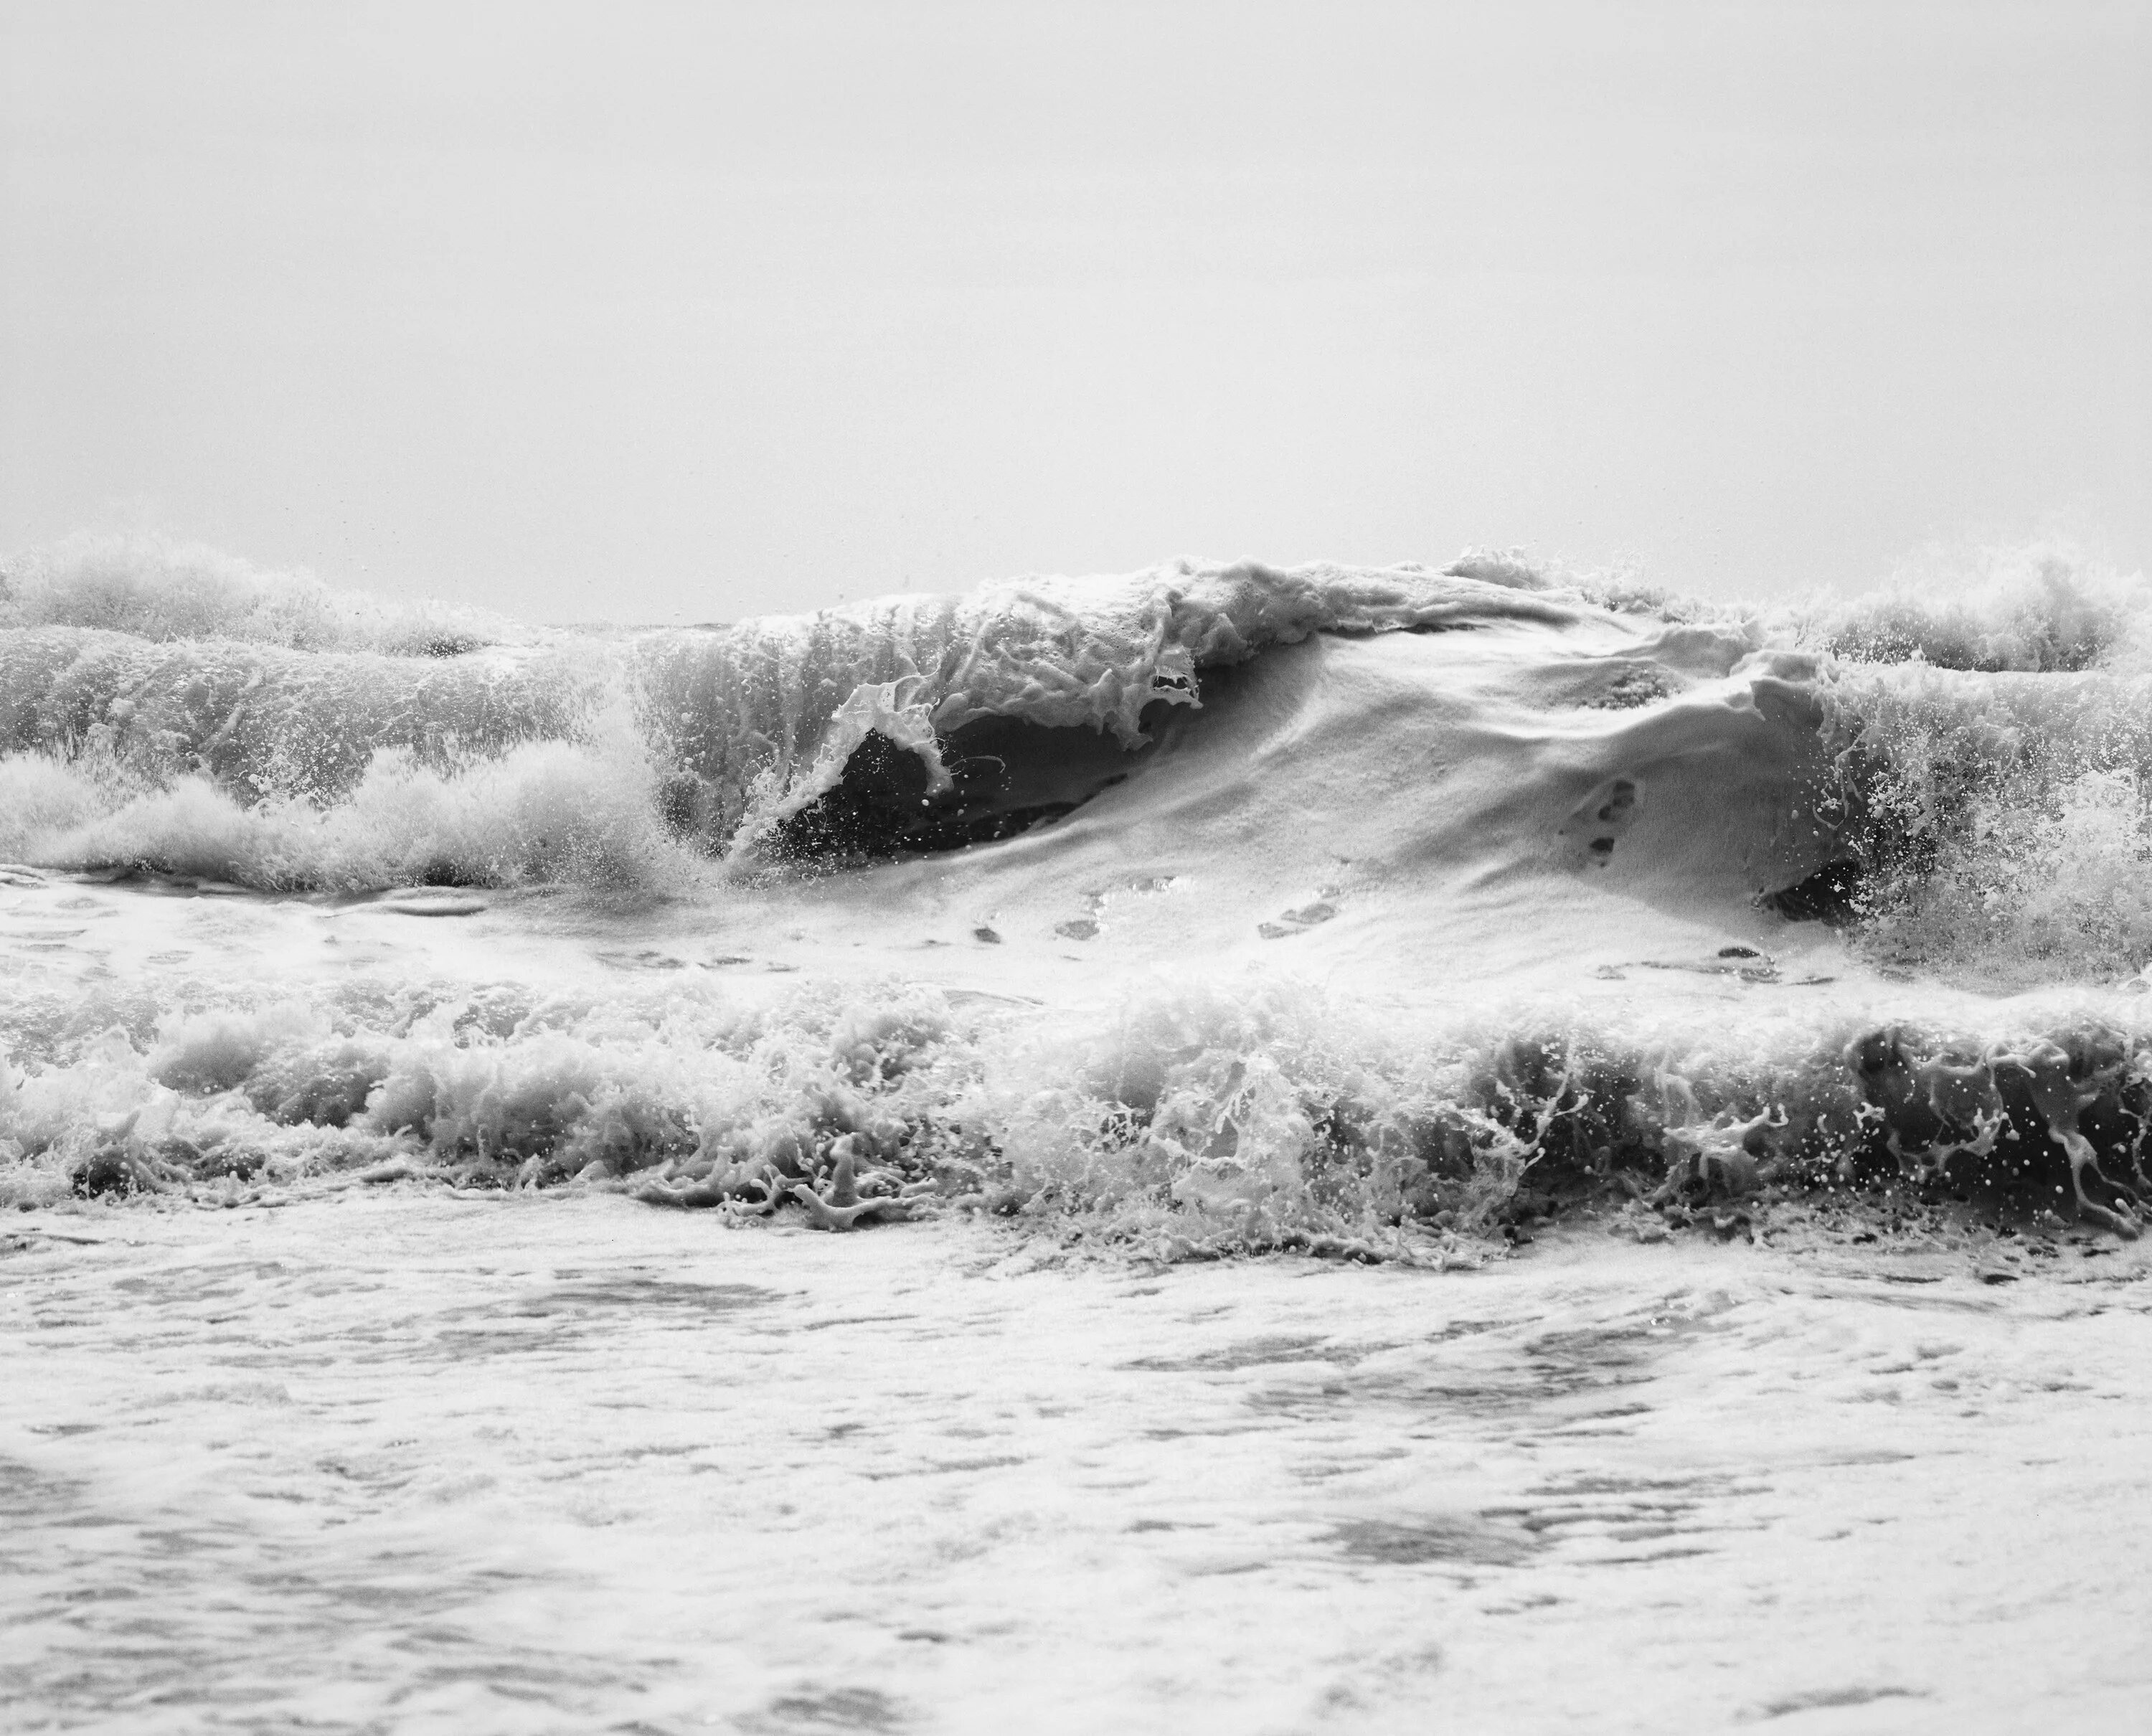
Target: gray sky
x: 661, y: 312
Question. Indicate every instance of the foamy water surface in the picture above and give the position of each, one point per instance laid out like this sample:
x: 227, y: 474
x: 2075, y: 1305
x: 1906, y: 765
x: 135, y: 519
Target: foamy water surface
x: 418, y: 1463
x: 1709, y: 1048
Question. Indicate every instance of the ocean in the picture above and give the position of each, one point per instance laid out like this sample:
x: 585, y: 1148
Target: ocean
x: 1229, y: 1147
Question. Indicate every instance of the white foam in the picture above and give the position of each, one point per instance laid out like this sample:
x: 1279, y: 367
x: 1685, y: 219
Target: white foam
x: 549, y: 812
x: 1539, y: 815
x: 154, y: 588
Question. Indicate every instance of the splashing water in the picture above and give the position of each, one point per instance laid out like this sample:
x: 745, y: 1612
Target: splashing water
x: 1342, y: 909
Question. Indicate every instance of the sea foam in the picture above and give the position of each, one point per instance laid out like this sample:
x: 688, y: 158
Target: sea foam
x: 1282, y: 875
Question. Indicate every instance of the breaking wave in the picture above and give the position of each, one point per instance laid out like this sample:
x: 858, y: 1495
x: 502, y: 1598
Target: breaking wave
x: 155, y: 589
x: 1223, y: 1118
x: 173, y: 709
x: 1957, y: 788
x: 539, y: 813
x: 195, y: 715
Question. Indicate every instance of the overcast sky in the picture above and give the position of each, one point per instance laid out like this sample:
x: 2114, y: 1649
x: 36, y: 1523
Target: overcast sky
x: 655, y: 312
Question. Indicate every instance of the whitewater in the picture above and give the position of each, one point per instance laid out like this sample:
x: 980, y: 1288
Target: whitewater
x: 1386, y: 1123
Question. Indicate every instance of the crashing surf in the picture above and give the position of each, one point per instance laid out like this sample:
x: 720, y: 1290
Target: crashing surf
x: 1369, y: 911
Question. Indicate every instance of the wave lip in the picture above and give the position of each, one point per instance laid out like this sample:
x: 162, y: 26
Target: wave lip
x: 765, y: 714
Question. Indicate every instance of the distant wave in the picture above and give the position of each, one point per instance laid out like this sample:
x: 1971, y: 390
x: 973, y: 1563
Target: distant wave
x: 154, y: 588
x: 2039, y: 607
x: 539, y: 813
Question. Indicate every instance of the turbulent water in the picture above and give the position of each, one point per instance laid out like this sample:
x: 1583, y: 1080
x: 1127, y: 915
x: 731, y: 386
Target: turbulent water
x: 1401, y: 914
x: 1208, y: 907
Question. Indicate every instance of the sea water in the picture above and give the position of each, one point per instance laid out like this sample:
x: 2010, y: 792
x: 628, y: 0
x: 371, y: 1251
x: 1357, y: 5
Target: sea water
x: 1478, y: 1146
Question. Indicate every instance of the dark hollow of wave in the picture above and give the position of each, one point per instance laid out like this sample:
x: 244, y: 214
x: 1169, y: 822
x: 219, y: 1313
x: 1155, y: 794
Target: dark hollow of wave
x: 1007, y: 776
x: 1832, y: 894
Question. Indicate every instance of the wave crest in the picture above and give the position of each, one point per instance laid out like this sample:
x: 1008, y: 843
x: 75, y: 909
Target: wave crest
x: 1239, y: 1117
x: 156, y: 589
